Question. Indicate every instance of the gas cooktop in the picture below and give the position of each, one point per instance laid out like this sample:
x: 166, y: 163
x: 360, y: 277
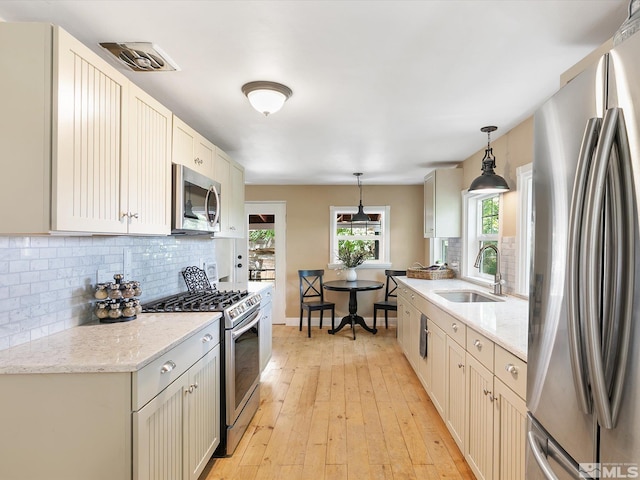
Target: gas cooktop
x: 200, y: 301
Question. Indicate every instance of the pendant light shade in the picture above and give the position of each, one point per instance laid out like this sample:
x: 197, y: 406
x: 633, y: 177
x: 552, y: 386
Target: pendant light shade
x: 360, y: 216
x: 488, y: 181
x: 266, y: 97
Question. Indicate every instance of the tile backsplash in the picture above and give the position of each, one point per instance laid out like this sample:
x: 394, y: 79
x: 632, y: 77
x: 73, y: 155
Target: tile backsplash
x: 46, y: 283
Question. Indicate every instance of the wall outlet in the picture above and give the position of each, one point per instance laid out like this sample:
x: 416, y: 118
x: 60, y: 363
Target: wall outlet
x: 212, y: 272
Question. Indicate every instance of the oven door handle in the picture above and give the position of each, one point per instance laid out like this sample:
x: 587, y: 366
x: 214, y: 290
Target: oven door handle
x: 252, y: 323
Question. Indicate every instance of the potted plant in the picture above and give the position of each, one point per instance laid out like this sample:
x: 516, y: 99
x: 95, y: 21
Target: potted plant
x: 351, y: 255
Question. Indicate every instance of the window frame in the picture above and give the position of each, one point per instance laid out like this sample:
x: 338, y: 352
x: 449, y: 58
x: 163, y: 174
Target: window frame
x: 470, y: 238
x: 524, y: 232
x: 384, y: 238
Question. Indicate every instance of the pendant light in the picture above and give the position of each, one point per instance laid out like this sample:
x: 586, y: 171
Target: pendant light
x: 489, y: 182
x: 266, y: 97
x: 360, y: 216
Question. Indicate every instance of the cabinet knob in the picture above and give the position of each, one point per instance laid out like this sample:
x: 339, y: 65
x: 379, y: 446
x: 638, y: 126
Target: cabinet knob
x: 461, y: 365
x: 207, y: 338
x: 454, y: 327
x: 239, y: 265
x: 478, y: 344
x: 168, y: 366
x: 512, y: 369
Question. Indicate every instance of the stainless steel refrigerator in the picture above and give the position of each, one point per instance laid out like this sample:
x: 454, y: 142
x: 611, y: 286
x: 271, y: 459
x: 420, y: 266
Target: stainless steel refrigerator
x: 583, y: 382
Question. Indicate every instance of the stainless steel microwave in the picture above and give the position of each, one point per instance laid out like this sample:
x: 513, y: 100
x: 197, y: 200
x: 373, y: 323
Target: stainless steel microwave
x: 196, y: 202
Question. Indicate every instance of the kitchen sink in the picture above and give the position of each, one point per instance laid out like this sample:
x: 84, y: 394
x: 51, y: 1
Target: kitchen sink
x: 466, y: 296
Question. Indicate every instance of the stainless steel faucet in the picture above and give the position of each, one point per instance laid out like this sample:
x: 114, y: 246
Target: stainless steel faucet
x: 498, y: 282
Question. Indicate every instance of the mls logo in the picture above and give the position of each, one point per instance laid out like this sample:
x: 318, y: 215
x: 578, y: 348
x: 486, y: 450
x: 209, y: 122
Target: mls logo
x: 589, y: 470
x: 598, y: 471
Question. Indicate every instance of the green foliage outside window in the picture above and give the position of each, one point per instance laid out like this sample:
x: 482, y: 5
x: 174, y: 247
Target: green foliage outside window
x: 490, y: 210
x: 490, y: 225
x: 261, y: 235
x: 489, y: 262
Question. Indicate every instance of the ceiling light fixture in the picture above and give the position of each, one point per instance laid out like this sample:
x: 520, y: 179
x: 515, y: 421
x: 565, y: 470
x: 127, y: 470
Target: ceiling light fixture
x: 360, y: 216
x: 489, y: 182
x: 266, y: 97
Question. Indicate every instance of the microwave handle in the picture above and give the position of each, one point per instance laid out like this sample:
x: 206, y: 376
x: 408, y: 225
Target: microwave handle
x: 213, y: 190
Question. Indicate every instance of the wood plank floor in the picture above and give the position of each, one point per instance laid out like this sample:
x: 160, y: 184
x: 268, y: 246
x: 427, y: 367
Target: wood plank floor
x: 335, y: 408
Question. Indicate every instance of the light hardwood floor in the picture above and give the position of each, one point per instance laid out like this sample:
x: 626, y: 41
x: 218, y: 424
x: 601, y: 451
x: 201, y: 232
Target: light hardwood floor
x: 335, y: 408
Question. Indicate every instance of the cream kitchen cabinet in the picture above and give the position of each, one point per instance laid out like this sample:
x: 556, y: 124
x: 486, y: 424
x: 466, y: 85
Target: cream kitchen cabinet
x: 479, y: 419
x: 456, y: 404
x: 159, y: 422
x: 477, y: 386
x: 434, y: 366
x: 442, y: 203
x: 509, y: 434
x: 66, y: 123
x: 146, y: 175
x: 265, y: 334
x: 231, y: 177
x: 176, y: 433
x: 192, y: 150
x: 510, y: 425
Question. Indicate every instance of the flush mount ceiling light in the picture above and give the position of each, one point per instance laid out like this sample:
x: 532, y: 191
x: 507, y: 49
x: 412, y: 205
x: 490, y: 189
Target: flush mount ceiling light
x: 266, y: 97
x: 360, y: 216
x: 489, y: 182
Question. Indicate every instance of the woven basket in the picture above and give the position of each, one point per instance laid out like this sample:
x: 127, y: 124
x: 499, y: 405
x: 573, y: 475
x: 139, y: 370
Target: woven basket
x: 425, y: 274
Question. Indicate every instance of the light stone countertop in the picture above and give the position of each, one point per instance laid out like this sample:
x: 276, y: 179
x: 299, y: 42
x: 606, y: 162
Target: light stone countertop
x: 105, y: 347
x: 506, y: 322
x: 112, y: 347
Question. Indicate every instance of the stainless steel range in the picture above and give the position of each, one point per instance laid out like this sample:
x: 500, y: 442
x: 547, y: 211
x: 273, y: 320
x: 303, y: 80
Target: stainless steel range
x: 240, y: 354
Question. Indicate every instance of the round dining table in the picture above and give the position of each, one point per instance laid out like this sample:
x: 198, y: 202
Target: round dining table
x: 353, y: 288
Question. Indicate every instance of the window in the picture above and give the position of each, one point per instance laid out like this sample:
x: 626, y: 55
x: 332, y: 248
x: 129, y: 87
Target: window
x: 373, y: 236
x: 482, y: 228
x: 524, y: 232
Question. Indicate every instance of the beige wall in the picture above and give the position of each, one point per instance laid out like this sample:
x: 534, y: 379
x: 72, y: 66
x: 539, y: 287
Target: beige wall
x: 308, y: 232
x: 512, y: 150
x: 308, y: 217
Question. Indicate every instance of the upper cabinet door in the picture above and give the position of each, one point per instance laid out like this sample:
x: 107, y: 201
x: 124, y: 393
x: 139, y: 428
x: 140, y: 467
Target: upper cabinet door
x: 147, y: 172
x: 442, y: 203
x: 192, y: 150
x: 231, y: 177
x: 89, y: 138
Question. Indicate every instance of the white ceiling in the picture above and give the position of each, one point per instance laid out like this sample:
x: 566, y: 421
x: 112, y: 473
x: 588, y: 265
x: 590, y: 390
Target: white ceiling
x: 387, y: 88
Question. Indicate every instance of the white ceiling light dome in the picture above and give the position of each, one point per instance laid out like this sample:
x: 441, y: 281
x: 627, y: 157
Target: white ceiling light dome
x: 266, y: 97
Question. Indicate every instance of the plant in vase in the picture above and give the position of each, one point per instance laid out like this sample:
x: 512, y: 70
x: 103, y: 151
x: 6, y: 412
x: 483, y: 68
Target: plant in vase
x: 351, y: 256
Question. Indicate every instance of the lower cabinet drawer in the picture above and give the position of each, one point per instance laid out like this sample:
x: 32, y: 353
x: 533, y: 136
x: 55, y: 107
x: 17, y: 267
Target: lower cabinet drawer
x: 480, y: 347
x: 156, y: 376
x: 512, y: 371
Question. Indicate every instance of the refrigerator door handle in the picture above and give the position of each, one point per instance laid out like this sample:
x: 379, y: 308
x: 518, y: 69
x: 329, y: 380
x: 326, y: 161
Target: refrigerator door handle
x: 575, y: 282
x: 626, y: 262
x: 541, y: 456
x: 613, y: 135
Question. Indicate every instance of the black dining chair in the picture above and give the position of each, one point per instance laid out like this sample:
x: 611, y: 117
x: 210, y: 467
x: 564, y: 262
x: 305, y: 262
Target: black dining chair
x: 312, y: 297
x: 390, y: 302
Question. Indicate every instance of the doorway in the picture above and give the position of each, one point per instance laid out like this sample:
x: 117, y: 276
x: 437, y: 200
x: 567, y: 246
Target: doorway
x: 266, y: 253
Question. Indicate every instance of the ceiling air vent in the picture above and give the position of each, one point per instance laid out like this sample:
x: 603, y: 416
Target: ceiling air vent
x: 141, y: 56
